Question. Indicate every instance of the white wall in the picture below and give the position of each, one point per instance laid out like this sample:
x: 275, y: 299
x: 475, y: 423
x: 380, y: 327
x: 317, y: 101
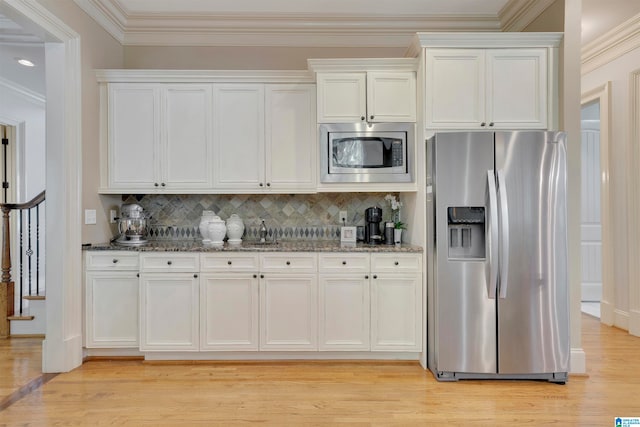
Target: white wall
x: 617, y: 72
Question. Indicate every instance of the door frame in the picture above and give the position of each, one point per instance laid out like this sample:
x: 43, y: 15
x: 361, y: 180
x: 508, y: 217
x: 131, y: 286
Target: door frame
x: 602, y: 94
x: 633, y: 179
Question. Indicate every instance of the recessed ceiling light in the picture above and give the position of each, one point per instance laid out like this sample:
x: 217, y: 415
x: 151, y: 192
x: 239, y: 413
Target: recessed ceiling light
x: 26, y: 62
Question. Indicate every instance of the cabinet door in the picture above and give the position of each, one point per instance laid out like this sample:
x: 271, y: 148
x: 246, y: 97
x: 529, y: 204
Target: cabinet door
x: 517, y: 88
x: 290, y: 137
x: 239, y: 136
x: 341, y: 97
x: 344, y: 312
x: 111, y: 309
x: 396, y: 312
x: 391, y: 97
x: 229, y: 311
x: 187, y: 147
x: 169, y: 312
x: 134, y: 134
x: 288, y: 312
x: 455, y: 88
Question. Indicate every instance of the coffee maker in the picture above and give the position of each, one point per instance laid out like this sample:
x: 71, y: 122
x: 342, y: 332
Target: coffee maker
x: 373, y: 218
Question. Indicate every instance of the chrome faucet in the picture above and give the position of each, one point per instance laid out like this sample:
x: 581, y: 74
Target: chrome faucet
x: 263, y: 232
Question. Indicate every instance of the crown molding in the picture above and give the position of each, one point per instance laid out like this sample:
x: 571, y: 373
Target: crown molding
x: 205, y: 76
x: 613, y: 44
x: 516, y: 15
x: 485, y: 40
x: 23, y: 92
x: 362, y: 64
x: 107, y: 15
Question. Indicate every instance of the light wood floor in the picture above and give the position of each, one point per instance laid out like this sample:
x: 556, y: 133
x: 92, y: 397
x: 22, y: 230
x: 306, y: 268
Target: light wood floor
x: 133, y: 393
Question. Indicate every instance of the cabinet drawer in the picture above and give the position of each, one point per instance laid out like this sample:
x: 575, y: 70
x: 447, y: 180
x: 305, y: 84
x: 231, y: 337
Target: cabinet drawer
x: 396, y: 262
x: 343, y: 263
x: 169, y: 262
x: 229, y: 262
x: 289, y: 262
x: 111, y: 260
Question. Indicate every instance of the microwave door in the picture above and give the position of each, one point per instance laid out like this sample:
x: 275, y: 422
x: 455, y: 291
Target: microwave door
x: 362, y: 155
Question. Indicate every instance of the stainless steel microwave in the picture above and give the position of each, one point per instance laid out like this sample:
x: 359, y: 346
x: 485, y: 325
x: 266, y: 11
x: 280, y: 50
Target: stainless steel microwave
x: 363, y: 152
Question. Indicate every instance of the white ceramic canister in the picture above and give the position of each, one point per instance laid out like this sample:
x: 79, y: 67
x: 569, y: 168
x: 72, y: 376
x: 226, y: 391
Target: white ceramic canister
x: 235, y: 229
x: 204, y: 225
x: 217, y: 230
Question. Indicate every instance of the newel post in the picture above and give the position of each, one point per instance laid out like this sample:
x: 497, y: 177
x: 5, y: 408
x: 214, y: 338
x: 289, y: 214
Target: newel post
x: 6, y: 286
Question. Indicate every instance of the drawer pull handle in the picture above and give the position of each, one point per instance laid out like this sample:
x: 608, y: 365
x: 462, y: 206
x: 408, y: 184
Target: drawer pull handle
x: 115, y: 261
x: 229, y: 262
x: 344, y: 262
x: 169, y: 263
x: 396, y: 263
x: 288, y: 262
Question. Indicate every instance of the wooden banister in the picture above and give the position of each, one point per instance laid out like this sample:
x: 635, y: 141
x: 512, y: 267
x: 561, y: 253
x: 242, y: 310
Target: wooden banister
x: 7, y: 285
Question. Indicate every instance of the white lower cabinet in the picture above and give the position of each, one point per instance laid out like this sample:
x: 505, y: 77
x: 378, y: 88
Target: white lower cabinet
x: 169, y: 312
x: 396, y: 312
x: 288, y: 312
x: 343, y: 312
x: 111, y: 299
x: 229, y: 311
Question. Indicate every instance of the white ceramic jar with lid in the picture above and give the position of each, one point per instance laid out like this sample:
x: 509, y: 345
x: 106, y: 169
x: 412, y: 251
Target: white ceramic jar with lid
x: 204, y: 225
x: 217, y: 231
x: 235, y: 229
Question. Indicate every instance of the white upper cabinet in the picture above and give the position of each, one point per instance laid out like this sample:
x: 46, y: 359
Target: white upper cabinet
x: 264, y: 138
x: 239, y: 136
x: 159, y: 137
x: 489, y: 80
x: 486, y: 88
x: 372, y: 96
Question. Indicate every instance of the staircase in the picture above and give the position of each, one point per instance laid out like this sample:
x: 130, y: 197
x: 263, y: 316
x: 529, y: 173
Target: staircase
x: 22, y: 298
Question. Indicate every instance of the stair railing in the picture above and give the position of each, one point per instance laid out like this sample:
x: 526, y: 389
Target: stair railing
x: 27, y: 247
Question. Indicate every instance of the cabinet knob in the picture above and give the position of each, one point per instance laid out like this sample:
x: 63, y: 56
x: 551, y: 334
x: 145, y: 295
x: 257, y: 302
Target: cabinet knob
x: 261, y: 185
x: 483, y: 124
x: 255, y: 276
x: 288, y: 262
x: 362, y: 118
x: 268, y: 184
x: 491, y: 124
x: 155, y: 184
x: 366, y: 276
x: 229, y: 262
x: 169, y: 263
x: 137, y: 274
x: 262, y: 276
x: 375, y: 276
x: 195, y: 276
x: 370, y: 117
x: 344, y: 262
x: 115, y: 261
x: 396, y: 263
x: 163, y: 184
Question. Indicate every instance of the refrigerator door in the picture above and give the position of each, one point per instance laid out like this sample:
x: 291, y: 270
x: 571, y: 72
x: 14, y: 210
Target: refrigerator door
x: 464, y: 322
x: 533, y: 303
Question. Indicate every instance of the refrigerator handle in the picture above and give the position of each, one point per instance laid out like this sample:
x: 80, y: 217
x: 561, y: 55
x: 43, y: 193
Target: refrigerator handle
x: 504, y: 235
x: 492, y: 280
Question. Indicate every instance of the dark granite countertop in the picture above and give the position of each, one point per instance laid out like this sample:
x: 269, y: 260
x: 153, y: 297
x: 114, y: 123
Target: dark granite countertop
x: 281, y: 246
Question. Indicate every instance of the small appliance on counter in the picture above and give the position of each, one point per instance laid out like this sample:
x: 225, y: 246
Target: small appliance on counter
x: 132, y: 225
x: 373, y: 218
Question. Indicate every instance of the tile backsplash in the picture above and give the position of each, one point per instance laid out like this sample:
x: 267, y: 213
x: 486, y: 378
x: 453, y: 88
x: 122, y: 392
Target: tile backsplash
x: 288, y: 216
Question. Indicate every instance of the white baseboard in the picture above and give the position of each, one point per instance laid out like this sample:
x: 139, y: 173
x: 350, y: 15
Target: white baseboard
x: 621, y: 319
x: 607, y: 315
x: 578, y: 361
x: 634, y: 322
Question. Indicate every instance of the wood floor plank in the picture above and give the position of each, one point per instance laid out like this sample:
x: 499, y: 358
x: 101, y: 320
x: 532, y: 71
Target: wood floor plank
x: 135, y: 393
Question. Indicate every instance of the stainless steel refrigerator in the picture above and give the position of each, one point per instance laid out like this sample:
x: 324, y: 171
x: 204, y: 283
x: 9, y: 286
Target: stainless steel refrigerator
x: 498, y: 298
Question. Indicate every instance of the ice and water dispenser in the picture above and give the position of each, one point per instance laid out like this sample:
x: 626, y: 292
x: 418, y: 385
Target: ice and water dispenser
x: 466, y: 232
